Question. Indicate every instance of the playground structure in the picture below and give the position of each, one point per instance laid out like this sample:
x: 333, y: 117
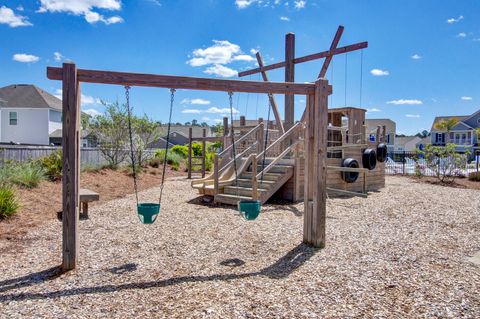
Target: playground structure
x: 306, y: 139
x: 284, y: 174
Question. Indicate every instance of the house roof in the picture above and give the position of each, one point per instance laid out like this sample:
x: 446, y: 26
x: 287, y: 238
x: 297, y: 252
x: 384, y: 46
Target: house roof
x: 58, y: 133
x: 402, y: 140
x: 438, y: 119
x: 28, y: 96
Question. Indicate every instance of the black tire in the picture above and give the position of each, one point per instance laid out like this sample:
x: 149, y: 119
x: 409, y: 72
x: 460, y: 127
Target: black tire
x: 369, y: 159
x: 382, y: 152
x: 350, y: 177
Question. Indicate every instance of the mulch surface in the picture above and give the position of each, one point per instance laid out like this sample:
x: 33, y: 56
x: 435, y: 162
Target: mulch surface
x: 40, y: 205
x: 457, y: 183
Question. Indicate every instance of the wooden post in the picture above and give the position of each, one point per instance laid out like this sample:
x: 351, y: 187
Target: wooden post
x: 204, y: 152
x: 71, y: 165
x: 316, y: 166
x: 289, y: 77
x: 225, y: 132
x: 384, y: 134
x: 215, y: 174
x: 242, y: 120
x: 271, y: 98
x: 254, y: 178
x: 190, y: 153
x: 377, y: 135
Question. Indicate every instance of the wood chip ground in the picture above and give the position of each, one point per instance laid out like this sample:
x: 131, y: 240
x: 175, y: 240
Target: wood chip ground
x: 402, y: 252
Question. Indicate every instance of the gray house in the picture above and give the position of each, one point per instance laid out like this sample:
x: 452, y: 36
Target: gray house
x: 463, y: 134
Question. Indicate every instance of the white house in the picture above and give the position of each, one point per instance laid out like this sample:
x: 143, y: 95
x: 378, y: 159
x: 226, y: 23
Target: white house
x: 28, y: 114
x: 390, y: 126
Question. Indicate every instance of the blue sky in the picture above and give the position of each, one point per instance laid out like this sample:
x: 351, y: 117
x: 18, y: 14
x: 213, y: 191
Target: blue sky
x: 423, y: 58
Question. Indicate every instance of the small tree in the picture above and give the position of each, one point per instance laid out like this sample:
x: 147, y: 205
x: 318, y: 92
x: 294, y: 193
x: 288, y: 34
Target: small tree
x: 445, y: 162
x: 446, y: 126
x: 111, y: 131
x: 145, y: 132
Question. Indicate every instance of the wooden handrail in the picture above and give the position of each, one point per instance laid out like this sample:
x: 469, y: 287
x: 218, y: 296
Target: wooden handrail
x: 279, y: 157
x: 241, y: 139
x: 281, y: 138
x: 237, y: 157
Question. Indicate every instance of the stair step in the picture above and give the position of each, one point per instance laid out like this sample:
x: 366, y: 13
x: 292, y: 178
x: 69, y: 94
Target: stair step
x: 230, y: 199
x: 277, y: 168
x: 248, y: 183
x: 266, y: 177
x: 242, y: 191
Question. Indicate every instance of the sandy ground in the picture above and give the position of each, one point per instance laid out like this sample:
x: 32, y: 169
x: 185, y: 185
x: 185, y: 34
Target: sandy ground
x: 403, y: 252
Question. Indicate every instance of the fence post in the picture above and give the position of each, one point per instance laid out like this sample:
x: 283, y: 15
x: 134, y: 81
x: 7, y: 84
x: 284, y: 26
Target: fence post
x: 404, y: 160
x: 204, y: 152
x: 189, y: 153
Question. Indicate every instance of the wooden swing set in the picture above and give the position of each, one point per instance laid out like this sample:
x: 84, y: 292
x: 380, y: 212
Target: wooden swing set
x: 315, y: 118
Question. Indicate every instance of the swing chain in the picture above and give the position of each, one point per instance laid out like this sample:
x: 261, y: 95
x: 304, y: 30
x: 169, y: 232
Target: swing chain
x: 172, y: 100
x: 130, y: 135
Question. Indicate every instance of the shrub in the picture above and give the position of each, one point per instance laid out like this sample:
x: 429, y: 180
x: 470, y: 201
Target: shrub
x: 445, y: 162
x: 52, y: 164
x: 8, y: 202
x: 155, y: 162
x: 28, y: 174
x: 474, y: 176
x: 181, y: 150
x: 173, y: 158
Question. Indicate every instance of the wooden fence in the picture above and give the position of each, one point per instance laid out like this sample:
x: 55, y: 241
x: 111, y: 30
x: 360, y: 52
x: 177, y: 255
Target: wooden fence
x: 88, y: 156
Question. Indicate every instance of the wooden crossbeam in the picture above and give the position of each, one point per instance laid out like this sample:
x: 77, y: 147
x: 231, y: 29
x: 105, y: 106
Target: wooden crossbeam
x: 333, y: 46
x: 311, y: 57
x: 273, y: 103
x: 184, y: 82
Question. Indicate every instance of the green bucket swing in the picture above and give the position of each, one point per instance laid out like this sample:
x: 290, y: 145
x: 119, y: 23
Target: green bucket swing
x: 147, y: 212
x: 249, y: 209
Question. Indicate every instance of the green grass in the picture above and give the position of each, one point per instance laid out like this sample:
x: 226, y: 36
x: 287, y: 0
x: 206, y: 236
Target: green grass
x: 26, y: 174
x: 9, y: 203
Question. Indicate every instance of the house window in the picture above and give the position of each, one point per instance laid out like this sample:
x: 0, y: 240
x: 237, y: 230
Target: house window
x: 440, y: 138
x: 388, y: 138
x: 13, y: 118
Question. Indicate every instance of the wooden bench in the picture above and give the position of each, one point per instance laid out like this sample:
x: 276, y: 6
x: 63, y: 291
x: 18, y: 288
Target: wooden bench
x: 86, y: 196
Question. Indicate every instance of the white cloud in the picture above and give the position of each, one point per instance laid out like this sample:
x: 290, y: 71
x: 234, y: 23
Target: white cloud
x: 217, y: 56
x: 84, y: 8
x: 299, y: 4
x: 242, y: 4
x: 195, y: 101
x: 192, y: 111
x: 476, y: 40
x: 454, y: 20
x: 156, y: 2
x: 373, y: 110
x: 284, y: 18
x: 216, y: 110
x: 84, y: 99
x: 378, y: 72
x: 416, y: 56
x: 243, y: 57
x: 462, y: 35
x: 20, y: 8
x: 466, y: 98
x: 7, y: 16
x: 25, y: 58
x: 412, y: 115
x: 212, y: 110
x: 92, y: 112
x: 253, y: 51
x: 221, y: 52
x: 57, y: 56
x: 221, y: 70
x: 405, y: 102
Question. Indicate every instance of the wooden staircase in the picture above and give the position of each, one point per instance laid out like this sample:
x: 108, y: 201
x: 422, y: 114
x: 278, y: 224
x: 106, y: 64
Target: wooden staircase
x: 242, y: 189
